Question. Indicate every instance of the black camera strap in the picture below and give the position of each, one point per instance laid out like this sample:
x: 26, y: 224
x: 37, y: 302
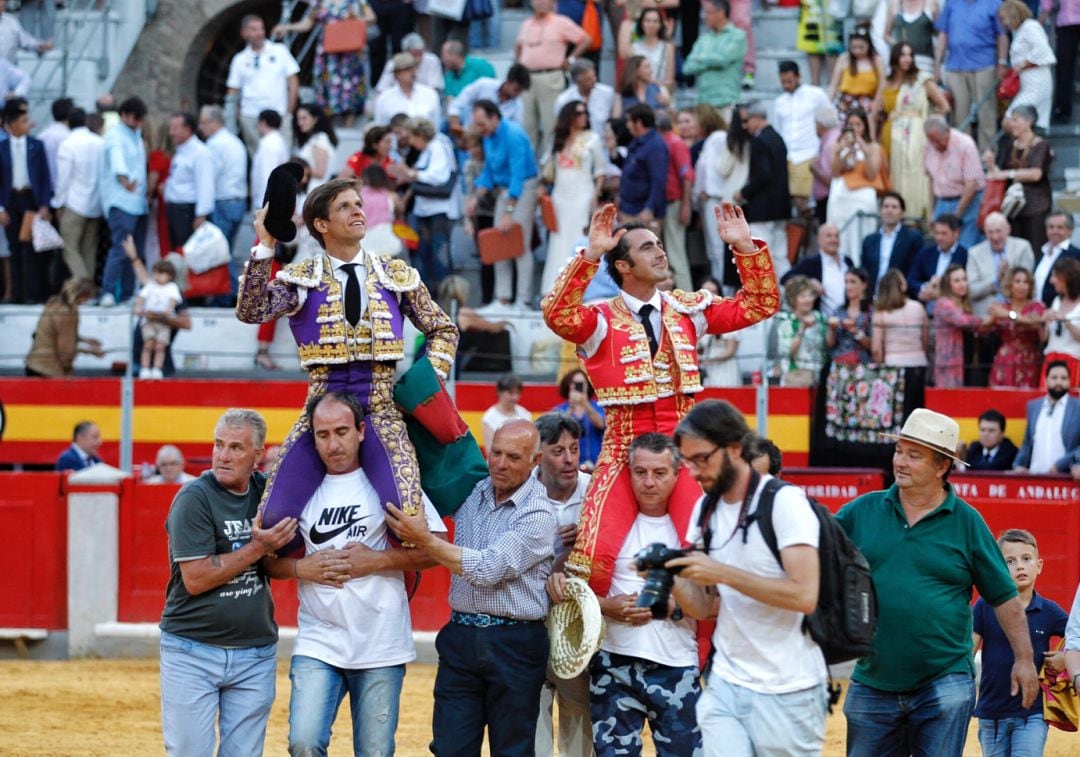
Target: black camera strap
x: 708, y: 507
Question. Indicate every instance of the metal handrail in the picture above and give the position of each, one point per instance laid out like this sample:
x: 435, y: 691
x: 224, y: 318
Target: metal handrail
x: 68, y: 56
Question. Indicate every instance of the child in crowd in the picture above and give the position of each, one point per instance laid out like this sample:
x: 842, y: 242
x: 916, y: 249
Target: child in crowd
x: 1005, y: 727
x: 508, y: 391
x: 158, y: 297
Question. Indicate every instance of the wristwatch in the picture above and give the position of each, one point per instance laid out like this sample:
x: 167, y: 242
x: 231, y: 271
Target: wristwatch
x: 1012, y: 315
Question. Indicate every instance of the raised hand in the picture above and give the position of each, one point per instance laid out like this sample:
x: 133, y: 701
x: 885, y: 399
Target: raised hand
x: 602, y: 234
x: 733, y: 228
x: 265, y: 237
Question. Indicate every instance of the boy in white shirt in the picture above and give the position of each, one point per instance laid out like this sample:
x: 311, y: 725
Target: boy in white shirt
x: 158, y: 296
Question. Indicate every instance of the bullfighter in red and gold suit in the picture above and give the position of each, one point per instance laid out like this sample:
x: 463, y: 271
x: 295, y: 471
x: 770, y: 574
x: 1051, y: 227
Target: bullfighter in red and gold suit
x: 640, y: 352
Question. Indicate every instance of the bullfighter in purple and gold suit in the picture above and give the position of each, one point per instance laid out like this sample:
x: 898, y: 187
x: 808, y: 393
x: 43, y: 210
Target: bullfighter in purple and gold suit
x: 347, y: 311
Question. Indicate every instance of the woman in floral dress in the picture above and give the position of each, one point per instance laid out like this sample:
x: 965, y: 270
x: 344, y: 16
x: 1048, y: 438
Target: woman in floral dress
x: 1019, y: 321
x: 800, y: 336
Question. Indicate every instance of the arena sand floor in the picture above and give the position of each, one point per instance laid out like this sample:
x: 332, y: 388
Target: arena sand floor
x: 111, y: 707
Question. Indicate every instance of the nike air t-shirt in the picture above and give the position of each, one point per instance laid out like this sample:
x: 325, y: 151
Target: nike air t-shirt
x: 366, y: 623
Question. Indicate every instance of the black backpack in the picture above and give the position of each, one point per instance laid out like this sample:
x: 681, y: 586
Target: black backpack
x: 846, y: 616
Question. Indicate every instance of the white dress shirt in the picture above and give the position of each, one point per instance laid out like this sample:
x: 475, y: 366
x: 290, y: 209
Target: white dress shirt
x: 230, y: 165
x: 271, y: 153
x: 191, y: 177
x: 1046, y: 263
x: 592, y: 344
x: 600, y: 103
x: 1047, y: 444
x: 424, y: 103
x: 888, y: 241
x: 262, y: 78
x: 707, y: 177
x: 429, y: 72
x: 484, y: 88
x: 78, y: 173
x: 20, y: 175
x: 51, y: 136
x: 794, y: 119
x: 832, y: 281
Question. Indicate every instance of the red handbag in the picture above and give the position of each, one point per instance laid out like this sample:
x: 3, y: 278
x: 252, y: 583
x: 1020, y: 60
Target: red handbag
x: 346, y: 36
x: 209, y: 283
x: 991, y: 200
x: 1009, y: 86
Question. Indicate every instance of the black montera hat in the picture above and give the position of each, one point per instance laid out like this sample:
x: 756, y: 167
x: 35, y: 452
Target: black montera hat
x: 281, y: 189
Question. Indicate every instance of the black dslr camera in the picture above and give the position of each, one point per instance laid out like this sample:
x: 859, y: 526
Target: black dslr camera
x: 659, y: 580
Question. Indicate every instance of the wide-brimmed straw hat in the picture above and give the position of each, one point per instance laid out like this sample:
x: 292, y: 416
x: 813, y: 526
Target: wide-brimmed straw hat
x: 934, y: 430
x: 575, y: 629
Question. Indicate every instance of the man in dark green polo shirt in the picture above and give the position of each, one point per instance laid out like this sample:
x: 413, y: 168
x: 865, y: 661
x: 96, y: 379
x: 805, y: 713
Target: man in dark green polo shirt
x: 927, y: 548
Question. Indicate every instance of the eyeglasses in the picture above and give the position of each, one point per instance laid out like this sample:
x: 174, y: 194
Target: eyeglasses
x: 699, y: 460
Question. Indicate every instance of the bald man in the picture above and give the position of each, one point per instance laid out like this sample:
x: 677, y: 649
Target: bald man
x: 493, y: 652
x: 990, y: 260
x: 825, y: 270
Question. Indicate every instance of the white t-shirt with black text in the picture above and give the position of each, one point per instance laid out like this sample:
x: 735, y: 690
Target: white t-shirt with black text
x: 757, y: 645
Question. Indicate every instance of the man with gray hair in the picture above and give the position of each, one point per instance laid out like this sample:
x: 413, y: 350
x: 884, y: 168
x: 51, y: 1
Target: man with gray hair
x: 461, y: 70
x: 428, y: 66
x: 827, y: 124
x: 956, y: 176
x: 599, y: 98
x: 765, y: 197
x: 170, y: 467
x: 230, y: 176
x: 218, y: 635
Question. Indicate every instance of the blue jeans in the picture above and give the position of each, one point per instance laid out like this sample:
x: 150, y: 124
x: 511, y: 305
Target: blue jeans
x: 1013, y: 737
x: 118, y: 279
x: 317, y: 691
x: 202, y: 682
x: 227, y: 216
x: 489, y: 677
x: 931, y: 721
x: 432, y: 258
x: 969, y: 230
x: 739, y: 722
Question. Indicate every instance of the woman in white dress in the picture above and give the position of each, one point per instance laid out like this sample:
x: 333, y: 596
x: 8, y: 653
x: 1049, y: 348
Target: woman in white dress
x: 858, y: 165
x: 315, y: 142
x: 575, y: 171
x: 649, y: 39
x: 1031, y: 56
x: 722, y: 169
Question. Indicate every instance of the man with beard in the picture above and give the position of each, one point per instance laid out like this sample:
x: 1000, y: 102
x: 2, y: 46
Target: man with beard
x: 764, y: 667
x: 1052, y: 437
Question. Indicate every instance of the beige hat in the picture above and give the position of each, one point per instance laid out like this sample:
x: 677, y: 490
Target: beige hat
x: 934, y: 430
x: 575, y: 629
x: 402, y: 61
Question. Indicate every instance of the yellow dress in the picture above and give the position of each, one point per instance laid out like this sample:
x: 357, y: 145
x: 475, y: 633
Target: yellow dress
x: 903, y: 140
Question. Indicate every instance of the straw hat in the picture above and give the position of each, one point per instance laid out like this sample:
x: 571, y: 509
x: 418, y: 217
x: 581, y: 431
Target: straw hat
x: 402, y: 61
x: 934, y: 430
x: 575, y: 629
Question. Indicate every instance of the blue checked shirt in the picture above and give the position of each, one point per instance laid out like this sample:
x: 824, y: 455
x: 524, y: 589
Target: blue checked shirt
x: 506, y: 552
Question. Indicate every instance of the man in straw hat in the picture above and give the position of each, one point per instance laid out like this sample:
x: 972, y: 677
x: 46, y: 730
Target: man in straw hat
x: 927, y: 549
x: 647, y: 664
x: 639, y: 350
x: 764, y: 668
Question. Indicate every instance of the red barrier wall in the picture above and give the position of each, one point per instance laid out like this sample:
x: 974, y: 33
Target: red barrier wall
x: 33, y: 565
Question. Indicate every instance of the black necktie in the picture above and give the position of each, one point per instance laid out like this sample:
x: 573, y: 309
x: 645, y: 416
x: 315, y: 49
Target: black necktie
x: 645, y: 311
x: 986, y: 458
x: 352, y: 294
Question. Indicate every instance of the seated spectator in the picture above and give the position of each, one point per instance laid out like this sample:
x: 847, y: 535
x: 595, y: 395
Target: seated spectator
x: 407, y: 95
x: 649, y: 38
x: 1019, y: 322
x: 1063, y: 318
x: 506, y: 408
x: 993, y: 450
x: 858, y: 77
x: 825, y: 270
x: 1052, y: 436
x: 893, y: 245
x: 858, y: 170
x: 1026, y: 158
x: 1059, y: 230
x: 429, y: 70
x: 170, y: 467
x: 989, y: 262
x: 85, y: 443
x: 506, y: 93
x: 953, y: 316
x: 800, y: 335
x: 461, y: 70
x: 636, y: 86
x: 56, y: 340
x: 599, y: 98
x: 924, y: 279
x: 378, y: 150
x: 581, y: 405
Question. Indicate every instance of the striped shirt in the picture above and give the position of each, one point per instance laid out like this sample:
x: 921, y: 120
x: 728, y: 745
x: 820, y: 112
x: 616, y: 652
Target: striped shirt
x: 948, y: 169
x: 506, y: 552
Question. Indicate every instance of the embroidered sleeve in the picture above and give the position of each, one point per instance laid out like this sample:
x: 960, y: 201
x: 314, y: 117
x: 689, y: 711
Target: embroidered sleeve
x: 563, y: 311
x: 438, y: 329
x: 261, y: 299
x: 758, y: 299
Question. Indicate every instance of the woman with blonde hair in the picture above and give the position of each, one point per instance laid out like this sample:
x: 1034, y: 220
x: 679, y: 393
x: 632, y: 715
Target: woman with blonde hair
x: 56, y: 338
x: 1031, y: 56
x: 953, y: 316
x: 1020, y: 322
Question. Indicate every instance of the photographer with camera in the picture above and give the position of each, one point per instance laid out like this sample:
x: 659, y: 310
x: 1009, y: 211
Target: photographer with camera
x: 766, y: 682
x: 647, y: 663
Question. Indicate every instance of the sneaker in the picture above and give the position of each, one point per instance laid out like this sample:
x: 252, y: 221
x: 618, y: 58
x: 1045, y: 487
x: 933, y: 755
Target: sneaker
x: 748, y: 81
x: 107, y: 301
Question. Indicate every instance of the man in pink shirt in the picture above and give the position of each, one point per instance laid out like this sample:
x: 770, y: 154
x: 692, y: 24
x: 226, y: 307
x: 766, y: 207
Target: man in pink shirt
x: 679, y: 193
x: 956, y: 176
x: 541, y: 48
x: 1067, y: 36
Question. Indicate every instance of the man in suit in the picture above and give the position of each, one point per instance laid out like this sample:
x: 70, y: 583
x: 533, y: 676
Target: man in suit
x: 85, y: 442
x: 765, y: 198
x: 25, y: 187
x: 1052, y: 437
x: 893, y: 245
x: 1059, y: 229
x: 825, y: 270
x: 989, y: 261
x: 933, y: 259
x: 993, y: 451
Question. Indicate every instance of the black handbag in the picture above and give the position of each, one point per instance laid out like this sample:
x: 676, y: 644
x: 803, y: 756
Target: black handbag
x: 436, y: 191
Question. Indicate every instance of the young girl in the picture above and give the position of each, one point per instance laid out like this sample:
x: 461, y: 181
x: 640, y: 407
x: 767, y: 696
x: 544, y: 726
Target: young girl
x: 158, y: 297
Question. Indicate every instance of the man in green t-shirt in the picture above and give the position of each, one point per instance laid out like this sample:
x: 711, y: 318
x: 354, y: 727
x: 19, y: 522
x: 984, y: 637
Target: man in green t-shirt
x: 218, y: 636
x: 927, y: 548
